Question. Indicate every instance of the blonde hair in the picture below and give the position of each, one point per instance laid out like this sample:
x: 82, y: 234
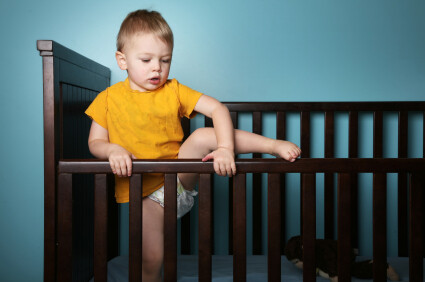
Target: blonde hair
x: 144, y: 21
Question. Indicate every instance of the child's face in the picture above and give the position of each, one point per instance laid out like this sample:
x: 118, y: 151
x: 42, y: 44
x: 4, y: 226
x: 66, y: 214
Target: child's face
x: 147, y: 60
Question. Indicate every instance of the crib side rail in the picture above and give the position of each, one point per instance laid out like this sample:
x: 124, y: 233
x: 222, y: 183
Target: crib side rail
x: 309, y: 113
x: 307, y: 167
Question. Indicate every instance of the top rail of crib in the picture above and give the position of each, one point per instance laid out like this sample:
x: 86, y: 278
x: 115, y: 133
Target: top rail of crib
x: 347, y: 106
x: 258, y: 165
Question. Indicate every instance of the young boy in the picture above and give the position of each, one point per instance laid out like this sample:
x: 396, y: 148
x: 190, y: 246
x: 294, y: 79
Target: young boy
x: 139, y: 118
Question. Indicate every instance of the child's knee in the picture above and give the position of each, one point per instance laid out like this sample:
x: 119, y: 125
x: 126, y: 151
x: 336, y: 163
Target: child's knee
x: 203, y: 136
x: 204, y: 132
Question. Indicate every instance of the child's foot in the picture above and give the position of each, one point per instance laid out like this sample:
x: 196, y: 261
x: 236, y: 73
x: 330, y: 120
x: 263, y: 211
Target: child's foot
x: 391, y: 274
x: 286, y: 150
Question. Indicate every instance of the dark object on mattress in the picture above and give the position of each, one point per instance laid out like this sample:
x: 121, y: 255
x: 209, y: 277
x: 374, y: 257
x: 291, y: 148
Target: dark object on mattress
x: 327, y: 259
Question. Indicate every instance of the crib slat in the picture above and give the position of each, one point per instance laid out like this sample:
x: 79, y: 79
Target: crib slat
x: 305, y: 147
x: 353, y: 133
x: 417, y: 184
x: 234, y: 117
x: 305, y: 134
x: 274, y: 221
x: 309, y: 226
x: 281, y: 125
x: 185, y: 220
x: 379, y: 227
x: 113, y: 223
x: 403, y: 230
x: 281, y: 135
x: 64, y: 271
x: 170, y: 227
x: 379, y: 205
x: 135, y: 229
x: 353, y: 142
x: 329, y: 177
x: 329, y: 134
x: 423, y: 152
x: 377, y: 134
x: 205, y: 228
x: 344, y: 227
x: 100, y: 227
x: 239, y: 225
x: 257, y: 127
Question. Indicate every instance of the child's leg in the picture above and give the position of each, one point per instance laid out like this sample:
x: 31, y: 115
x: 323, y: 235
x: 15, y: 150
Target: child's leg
x: 153, y: 240
x: 203, y: 141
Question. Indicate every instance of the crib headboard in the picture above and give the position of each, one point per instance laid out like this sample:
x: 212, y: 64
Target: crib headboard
x: 70, y: 83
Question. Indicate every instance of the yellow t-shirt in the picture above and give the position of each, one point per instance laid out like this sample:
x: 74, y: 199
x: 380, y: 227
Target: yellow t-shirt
x: 147, y: 124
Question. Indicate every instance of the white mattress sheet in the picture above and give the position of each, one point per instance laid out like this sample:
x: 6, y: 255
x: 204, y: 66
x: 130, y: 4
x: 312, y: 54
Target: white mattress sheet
x: 222, y: 269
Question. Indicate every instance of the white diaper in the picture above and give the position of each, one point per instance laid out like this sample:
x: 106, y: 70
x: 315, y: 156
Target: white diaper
x: 185, y: 198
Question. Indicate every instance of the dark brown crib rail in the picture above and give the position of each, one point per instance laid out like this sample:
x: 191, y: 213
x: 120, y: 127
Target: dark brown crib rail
x: 274, y: 167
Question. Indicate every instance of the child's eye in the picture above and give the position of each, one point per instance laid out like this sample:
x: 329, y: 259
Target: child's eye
x: 167, y: 61
x: 145, y: 60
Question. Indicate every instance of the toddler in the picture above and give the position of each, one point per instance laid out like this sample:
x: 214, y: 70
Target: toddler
x: 139, y: 118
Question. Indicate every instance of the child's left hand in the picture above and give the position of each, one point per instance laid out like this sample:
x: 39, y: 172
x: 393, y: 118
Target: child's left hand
x: 224, y: 161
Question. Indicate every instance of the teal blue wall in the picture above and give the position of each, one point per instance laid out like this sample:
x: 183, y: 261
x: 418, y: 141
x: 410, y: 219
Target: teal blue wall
x: 232, y: 50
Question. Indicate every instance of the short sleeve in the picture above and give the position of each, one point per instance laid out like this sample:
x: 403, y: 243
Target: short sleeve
x: 98, y: 109
x: 188, y: 99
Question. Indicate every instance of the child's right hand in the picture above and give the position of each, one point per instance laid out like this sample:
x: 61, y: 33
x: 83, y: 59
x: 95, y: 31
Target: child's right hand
x: 224, y: 161
x: 120, y: 160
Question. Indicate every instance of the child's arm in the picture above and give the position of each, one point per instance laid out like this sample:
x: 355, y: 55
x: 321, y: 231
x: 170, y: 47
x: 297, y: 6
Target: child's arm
x: 224, y: 156
x: 119, y: 158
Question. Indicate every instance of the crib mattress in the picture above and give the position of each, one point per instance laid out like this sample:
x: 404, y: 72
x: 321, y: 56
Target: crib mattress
x: 222, y: 269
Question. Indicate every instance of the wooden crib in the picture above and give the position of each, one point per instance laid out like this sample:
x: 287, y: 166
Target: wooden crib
x: 75, y: 249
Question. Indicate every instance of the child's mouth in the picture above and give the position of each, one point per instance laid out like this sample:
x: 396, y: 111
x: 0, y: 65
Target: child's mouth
x: 154, y: 80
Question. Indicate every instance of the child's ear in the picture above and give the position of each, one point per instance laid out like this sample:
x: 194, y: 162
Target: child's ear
x: 121, y: 60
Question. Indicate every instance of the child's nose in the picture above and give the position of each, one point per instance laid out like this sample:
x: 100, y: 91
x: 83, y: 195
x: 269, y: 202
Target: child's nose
x: 157, y: 66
